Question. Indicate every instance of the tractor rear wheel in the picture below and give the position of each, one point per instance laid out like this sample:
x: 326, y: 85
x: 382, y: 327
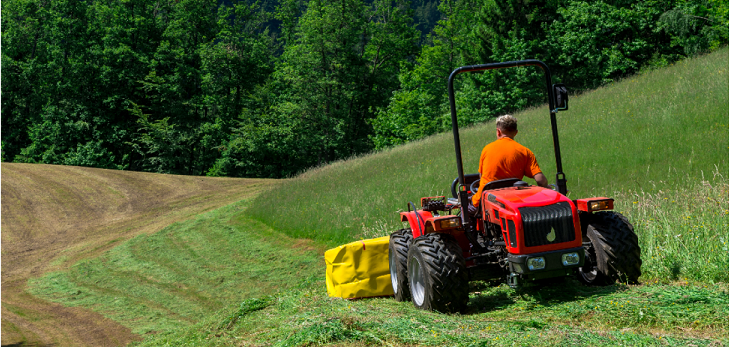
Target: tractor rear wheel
x: 398, y: 253
x: 614, y: 253
x: 437, y: 273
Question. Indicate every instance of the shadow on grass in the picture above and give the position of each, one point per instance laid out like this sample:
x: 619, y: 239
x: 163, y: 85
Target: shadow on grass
x: 491, y: 296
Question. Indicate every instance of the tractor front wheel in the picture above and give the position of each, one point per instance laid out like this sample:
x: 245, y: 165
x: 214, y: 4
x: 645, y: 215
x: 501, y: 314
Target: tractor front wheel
x: 614, y: 253
x: 437, y: 273
x: 398, y: 253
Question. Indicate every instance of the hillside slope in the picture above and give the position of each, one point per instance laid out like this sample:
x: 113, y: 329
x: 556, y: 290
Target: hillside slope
x: 52, y: 216
x: 221, y: 278
x: 658, y: 143
x: 649, y: 132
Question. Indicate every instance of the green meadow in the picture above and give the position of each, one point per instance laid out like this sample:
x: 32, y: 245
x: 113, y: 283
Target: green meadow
x: 659, y: 130
x: 252, y: 273
x: 176, y: 277
x: 224, y: 280
x: 683, y: 230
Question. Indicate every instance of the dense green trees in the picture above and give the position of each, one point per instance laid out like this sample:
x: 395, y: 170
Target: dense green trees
x: 342, y: 66
x: 138, y: 84
x: 255, y: 89
x: 416, y: 110
x: 585, y: 43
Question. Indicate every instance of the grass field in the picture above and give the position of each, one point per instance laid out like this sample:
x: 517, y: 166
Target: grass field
x: 683, y: 230
x: 177, y: 287
x: 251, y: 273
x: 683, y: 300
x: 664, y: 129
x: 54, y: 216
x: 263, y: 291
x: 175, y: 277
x: 653, y: 315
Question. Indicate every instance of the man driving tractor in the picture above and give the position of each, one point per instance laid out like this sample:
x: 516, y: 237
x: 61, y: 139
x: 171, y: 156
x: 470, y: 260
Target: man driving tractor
x: 506, y: 158
x: 524, y: 234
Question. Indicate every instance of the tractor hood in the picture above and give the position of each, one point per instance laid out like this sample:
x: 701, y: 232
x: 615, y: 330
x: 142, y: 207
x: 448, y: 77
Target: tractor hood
x: 533, y: 219
x: 516, y: 198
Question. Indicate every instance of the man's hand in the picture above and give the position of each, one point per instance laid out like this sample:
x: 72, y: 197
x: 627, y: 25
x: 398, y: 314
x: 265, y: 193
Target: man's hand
x: 541, y: 180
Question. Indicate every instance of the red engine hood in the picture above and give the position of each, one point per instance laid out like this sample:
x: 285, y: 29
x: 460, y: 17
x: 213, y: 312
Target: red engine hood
x: 501, y: 206
x: 527, y: 196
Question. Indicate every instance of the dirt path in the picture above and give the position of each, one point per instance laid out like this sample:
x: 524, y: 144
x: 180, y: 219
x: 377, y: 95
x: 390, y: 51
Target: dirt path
x: 52, y: 216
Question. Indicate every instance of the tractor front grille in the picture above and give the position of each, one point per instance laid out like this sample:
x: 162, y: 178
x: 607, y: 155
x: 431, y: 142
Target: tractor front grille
x: 547, y: 224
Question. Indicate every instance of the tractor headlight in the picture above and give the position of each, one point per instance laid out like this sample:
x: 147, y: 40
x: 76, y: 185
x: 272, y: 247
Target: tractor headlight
x: 570, y: 259
x: 450, y: 223
x: 537, y: 263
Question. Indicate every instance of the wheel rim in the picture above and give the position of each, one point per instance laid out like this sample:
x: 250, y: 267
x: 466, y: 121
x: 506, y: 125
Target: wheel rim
x: 590, y: 275
x: 393, y: 271
x: 417, y: 282
x: 589, y: 270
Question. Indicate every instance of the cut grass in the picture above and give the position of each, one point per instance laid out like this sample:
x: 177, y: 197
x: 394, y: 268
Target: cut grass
x: 53, y: 216
x: 173, y: 278
x: 169, y: 276
x: 689, y: 309
x: 646, y: 133
x: 554, y: 314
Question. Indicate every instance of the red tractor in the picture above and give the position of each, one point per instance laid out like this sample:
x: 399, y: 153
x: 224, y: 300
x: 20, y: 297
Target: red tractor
x: 521, y: 233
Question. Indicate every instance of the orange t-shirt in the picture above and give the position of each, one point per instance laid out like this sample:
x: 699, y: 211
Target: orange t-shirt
x: 505, y: 158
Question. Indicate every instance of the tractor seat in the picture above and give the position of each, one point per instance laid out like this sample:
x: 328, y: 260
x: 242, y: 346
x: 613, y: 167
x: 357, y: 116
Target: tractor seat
x: 470, y: 178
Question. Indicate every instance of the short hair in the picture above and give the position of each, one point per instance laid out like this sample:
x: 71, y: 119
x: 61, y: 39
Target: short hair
x: 507, y: 123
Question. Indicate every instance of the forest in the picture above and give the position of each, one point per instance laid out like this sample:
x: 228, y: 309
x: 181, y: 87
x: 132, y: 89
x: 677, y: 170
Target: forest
x: 271, y: 88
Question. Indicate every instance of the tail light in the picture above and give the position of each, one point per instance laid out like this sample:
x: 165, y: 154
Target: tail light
x: 594, y: 204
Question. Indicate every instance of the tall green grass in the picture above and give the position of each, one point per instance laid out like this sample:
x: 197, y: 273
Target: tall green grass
x: 683, y: 229
x: 660, y: 130
x: 182, y: 274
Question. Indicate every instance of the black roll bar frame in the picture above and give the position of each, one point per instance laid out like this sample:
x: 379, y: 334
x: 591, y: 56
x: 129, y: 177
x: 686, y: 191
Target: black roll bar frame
x: 561, y: 180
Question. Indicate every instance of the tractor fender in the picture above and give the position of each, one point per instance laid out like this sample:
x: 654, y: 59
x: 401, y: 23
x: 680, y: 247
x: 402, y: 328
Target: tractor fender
x: 417, y: 220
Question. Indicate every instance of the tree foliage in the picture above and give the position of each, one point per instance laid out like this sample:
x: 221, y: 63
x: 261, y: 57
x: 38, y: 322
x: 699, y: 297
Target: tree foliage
x: 585, y: 43
x: 267, y: 89
x: 342, y: 66
x: 417, y: 109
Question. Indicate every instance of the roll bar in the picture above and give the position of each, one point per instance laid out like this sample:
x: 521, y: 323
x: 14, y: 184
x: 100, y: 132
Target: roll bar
x: 561, y: 181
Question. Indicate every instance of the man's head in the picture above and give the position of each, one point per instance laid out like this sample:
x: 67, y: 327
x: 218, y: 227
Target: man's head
x: 506, y: 126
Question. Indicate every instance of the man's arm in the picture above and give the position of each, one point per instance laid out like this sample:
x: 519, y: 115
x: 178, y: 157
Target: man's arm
x: 541, y: 180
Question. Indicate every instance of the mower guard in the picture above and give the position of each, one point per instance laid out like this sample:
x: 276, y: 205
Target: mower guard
x: 359, y: 269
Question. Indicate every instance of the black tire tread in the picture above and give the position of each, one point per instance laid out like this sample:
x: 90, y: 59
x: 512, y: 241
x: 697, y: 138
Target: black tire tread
x: 446, y: 272
x: 400, y: 242
x: 617, y: 248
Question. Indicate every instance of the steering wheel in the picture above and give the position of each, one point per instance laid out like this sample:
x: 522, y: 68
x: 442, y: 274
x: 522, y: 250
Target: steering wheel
x: 474, y: 186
